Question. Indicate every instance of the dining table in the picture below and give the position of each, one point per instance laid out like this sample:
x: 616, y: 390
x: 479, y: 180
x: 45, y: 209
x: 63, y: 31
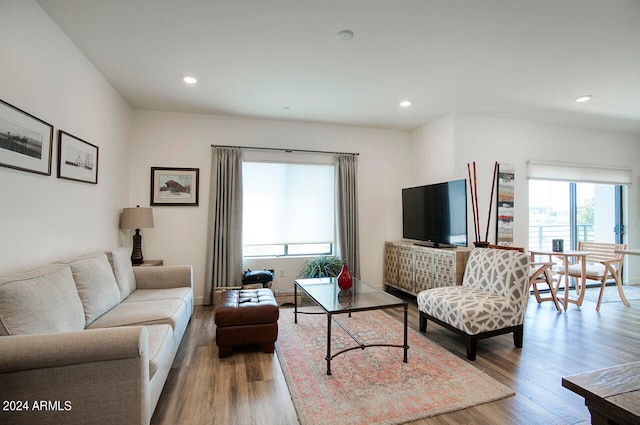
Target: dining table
x: 568, y: 257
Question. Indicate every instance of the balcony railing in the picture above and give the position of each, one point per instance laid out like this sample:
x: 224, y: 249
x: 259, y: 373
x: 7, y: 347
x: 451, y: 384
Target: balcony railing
x: 540, y: 236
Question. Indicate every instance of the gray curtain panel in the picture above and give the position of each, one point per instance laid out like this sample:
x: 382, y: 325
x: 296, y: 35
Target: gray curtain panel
x: 348, y: 236
x: 224, y: 240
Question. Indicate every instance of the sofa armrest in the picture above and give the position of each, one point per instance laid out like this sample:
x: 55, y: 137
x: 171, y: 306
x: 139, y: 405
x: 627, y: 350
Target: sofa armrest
x: 34, y: 351
x: 96, y: 376
x: 162, y: 277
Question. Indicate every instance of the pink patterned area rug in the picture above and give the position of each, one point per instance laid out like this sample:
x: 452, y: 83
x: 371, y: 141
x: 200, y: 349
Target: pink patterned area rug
x: 374, y: 386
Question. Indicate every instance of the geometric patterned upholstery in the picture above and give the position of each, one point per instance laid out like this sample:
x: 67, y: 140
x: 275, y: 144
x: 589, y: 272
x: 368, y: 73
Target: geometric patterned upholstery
x: 493, y: 295
x: 469, y: 309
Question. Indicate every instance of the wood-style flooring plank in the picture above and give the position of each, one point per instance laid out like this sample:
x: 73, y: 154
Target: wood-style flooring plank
x: 249, y: 387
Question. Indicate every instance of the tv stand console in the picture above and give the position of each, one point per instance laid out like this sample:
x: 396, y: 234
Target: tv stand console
x: 444, y: 245
x: 413, y: 268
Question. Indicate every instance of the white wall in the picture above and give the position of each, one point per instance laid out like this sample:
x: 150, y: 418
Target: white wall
x: 44, y: 218
x: 183, y: 140
x: 486, y: 139
x: 432, y: 153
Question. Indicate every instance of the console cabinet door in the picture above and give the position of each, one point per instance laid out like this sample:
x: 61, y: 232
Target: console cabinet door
x: 444, y: 269
x: 423, y: 269
x: 413, y: 269
x: 390, y: 264
x: 405, y: 268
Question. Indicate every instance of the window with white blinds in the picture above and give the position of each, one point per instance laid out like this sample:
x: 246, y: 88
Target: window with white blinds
x: 288, y: 209
x: 578, y: 173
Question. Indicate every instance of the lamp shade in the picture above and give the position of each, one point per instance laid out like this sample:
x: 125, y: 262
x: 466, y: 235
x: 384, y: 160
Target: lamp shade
x: 136, y: 218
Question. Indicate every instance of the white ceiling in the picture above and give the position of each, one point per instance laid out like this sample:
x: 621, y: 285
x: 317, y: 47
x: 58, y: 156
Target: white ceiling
x: 524, y: 59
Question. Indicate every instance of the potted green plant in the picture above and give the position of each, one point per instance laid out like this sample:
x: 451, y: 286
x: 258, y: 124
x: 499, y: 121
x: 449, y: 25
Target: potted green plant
x: 322, y: 266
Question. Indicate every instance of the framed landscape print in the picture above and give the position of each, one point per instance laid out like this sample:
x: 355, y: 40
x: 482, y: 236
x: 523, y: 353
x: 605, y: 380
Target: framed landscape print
x: 174, y: 186
x: 25, y: 141
x: 77, y: 159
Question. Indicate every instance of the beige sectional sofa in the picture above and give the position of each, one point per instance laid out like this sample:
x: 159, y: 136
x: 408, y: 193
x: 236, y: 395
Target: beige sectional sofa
x: 90, y: 340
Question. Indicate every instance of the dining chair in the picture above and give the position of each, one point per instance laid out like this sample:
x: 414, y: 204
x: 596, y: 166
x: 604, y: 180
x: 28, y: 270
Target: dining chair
x: 540, y: 272
x: 603, y: 264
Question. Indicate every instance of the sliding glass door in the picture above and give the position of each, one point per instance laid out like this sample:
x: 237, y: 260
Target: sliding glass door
x: 574, y: 212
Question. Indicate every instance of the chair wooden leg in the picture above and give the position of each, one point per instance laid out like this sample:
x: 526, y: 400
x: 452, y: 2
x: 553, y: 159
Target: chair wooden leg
x: 534, y: 285
x: 518, y: 336
x: 423, y: 322
x: 563, y: 276
x: 472, y: 347
x: 621, y: 293
x: 554, y: 297
x: 602, y: 285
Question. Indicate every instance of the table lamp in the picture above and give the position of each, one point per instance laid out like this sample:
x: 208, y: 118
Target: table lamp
x: 136, y: 218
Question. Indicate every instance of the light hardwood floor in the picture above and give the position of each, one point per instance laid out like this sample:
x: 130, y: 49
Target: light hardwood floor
x: 249, y: 388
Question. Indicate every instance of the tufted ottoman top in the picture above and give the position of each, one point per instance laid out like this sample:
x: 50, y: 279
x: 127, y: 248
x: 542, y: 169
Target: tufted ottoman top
x: 246, y: 307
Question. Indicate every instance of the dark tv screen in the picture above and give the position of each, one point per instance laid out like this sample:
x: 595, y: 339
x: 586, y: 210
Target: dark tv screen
x: 436, y: 213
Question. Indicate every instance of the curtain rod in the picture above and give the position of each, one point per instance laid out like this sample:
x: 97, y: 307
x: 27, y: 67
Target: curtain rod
x: 284, y: 150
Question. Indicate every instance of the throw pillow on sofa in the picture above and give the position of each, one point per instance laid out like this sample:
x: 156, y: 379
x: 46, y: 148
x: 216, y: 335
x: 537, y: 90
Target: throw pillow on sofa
x: 43, y: 300
x: 96, y: 284
x: 123, y: 271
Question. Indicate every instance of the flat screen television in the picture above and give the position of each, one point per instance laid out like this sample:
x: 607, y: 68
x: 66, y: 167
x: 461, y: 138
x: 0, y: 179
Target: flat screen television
x: 436, y: 214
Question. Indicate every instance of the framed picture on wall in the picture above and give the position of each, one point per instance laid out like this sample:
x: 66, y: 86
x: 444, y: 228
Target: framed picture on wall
x: 174, y: 186
x: 25, y: 141
x: 505, y: 200
x: 77, y: 159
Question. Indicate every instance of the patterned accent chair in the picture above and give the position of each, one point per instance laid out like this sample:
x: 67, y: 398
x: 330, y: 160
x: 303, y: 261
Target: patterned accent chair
x: 491, y: 301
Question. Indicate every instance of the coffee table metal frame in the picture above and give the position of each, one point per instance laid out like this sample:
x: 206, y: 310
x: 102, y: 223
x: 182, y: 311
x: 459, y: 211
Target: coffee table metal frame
x: 361, y: 297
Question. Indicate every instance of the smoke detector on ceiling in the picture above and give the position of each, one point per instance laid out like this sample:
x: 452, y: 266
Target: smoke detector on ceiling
x: 345, y: 35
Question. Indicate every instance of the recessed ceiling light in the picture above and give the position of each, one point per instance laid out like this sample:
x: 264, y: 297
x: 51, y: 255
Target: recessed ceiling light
x: 345, y: 35
x: 405, y: 103
x: 189, y: 79
x: 585, y: 98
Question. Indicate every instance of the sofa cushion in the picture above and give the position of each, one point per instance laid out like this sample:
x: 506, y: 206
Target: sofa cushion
x: 592, y: 269
x: 96, y: 284
x: 42, y: 300
x: 122, y: 270
x: 168, y: 312
x: 183, y: 293
x: 470, y: 309
x: 161, y: 347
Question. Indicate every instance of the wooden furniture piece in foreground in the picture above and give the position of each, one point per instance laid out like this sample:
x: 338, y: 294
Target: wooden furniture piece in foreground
x: 602, y: 264
x: 612, y: 394
x: 491, y: 301
x: 578, y: 268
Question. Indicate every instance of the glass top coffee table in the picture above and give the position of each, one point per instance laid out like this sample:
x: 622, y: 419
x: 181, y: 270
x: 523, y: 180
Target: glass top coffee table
x: 361, y: 297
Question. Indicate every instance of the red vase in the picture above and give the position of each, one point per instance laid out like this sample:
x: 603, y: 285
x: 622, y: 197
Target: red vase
x: 344, y: 278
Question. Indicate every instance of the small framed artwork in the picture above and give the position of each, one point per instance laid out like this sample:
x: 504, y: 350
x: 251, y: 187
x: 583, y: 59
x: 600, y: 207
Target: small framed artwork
x: 174, y: 186
x: 25, y: 141
x: 77, y: 159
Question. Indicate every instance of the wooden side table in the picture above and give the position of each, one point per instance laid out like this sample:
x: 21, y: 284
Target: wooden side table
x: 612, y: 394
x: 150, y: 263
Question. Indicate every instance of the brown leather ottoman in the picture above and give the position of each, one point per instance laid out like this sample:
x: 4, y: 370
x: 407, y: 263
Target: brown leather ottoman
x: 248, y: 316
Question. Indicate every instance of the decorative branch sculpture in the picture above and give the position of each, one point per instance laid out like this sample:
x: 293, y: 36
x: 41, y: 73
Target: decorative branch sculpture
x: 473, y: 188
